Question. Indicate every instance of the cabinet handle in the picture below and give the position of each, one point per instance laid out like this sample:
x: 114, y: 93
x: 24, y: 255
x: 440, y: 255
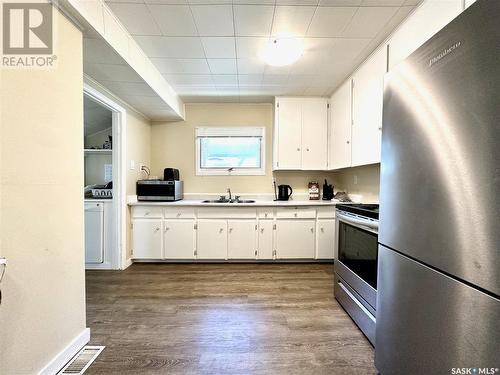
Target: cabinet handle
x: 307, y: 149
x: 348, y: 142
x: 167, y: 228
x: 265, y: 215
x: 379, y: 128
x: 146, y: 213
x: 322, y: 230
x: 295, y: 214
x: 178, y: 214
x: 157, y: 229
x: 312, y: 230
x: 298, y: 149
x: 261, y: 230
x: 230, y: 230
x: 255, y: 252
x: 221, y: 230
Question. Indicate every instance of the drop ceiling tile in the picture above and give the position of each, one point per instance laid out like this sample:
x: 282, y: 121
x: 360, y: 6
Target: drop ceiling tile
x: 197, y: 98
x: 136, y: 18
x: 125, y: 1
x: 174, y: 20
x: 253, y: 20
x: 278, y: 70
x: 345, y: 50
x: 382, y: 3
x: 340, y: 3
x: 254, y: 2
x: 330, y: 21
x: 192, y: 90
x: 98, y: 51
x: 222, y: 66
x: 213, y: 20
x: 296, y: 2
x: 250, y: 47
x: 179, y: 66
x: 250, y: 79
x: 275, y: 79
x: 171, y: 46
x: 292, y: 20
x: 250, y: 66
x: 368, y: 21
x: 110, y: 72
x: 228, y: 90
x: 225, y: 79
x: 214, y: 2
x: 165, y: 2
x: 219, y: 47
x: 189, y: 79
x: 318, y: 44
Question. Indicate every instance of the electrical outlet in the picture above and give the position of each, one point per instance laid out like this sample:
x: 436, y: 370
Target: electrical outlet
x: 355, y: 180
x: 132, y: 165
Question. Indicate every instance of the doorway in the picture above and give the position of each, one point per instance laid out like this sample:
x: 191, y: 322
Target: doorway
x: 104, y: 193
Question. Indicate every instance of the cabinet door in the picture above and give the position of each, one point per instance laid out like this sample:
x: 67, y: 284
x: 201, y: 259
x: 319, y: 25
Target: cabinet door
x: 340, y: 135
x: 325, y: 237
x: 241, y: 239
x: 367, y: 103
x: 147, y: 239
x: 295, y: 239
x: 288, y: 133
x: 211, y: 242
x: 266, y: 234
x: 178, y: 239
x: 314, y: 133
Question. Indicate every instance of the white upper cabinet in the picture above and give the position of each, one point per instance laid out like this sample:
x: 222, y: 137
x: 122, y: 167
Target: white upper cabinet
x: 314, y: 133
x: 340, y: 131
x: 288, y: 133
x: 367, y: 104
x: 300, y: 133
x: 423, y: 23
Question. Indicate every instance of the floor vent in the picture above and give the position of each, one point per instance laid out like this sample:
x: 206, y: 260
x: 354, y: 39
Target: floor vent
x: 81, y: 362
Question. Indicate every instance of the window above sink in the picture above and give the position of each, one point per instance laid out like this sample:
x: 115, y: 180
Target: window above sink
x: 230, y: 151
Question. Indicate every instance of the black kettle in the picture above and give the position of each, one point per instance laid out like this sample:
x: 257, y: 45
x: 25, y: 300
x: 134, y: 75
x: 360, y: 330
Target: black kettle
x: 284, y: 192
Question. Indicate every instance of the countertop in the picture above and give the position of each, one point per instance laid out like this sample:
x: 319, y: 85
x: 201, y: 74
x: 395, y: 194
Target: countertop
x: 258, y: 203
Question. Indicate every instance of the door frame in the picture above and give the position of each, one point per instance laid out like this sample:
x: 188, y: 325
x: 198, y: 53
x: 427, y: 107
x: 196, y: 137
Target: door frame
x: 119, y: 121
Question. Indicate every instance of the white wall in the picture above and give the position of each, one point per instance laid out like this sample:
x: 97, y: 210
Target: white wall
x: 41, y: 216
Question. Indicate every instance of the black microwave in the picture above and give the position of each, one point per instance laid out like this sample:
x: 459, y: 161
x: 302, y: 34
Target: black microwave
x: 160, y: 190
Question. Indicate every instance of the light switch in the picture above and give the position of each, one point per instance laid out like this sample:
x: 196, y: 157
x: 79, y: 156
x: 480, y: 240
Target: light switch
x: 355, y: 180
x: 132, y: 165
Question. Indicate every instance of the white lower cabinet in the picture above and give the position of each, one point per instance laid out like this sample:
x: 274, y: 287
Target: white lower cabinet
x: 242, y: 239
x: 178, y: 239
x: 266, y: 235
x: 325, y: 238
x: 147, y: 239
x: 295, y: 238
x: 211, y: 239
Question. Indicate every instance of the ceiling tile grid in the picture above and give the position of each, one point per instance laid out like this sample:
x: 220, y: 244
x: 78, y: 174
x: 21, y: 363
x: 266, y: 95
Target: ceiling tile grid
x: 212, y: 48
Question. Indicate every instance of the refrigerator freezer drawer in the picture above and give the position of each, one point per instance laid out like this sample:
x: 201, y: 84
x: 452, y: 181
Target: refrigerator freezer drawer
x: 429, y: 323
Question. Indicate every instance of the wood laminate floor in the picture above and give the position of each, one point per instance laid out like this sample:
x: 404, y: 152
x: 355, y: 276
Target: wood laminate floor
x: 222, y: 319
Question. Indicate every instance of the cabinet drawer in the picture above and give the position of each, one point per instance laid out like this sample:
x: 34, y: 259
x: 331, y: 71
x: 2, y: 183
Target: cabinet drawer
x: 147, y: 212
x: 296, y: 213
x: 265, y: 213
x: 179, y: 213
x: 326, y: 212
x: 227, y: 213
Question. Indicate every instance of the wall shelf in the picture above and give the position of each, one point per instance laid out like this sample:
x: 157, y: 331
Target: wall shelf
x: 89, y: 151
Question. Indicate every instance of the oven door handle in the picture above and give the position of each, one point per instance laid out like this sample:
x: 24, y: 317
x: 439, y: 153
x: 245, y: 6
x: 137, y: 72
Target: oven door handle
x: 356, y: 221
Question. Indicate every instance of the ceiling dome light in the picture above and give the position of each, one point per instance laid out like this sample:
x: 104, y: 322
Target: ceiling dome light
x: 282, y: 51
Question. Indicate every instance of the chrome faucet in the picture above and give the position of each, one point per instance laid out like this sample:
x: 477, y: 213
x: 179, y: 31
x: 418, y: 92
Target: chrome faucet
x: 229, y: 191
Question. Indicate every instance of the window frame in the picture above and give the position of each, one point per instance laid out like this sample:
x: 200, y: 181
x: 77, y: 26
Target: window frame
x: 244, y: 131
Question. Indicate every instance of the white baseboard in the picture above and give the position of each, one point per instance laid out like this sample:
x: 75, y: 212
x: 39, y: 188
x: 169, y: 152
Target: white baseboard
x: 127, y: 264
x: 63, y: 357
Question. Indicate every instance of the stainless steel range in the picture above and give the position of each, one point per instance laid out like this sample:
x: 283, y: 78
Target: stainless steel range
x: 356, y: 254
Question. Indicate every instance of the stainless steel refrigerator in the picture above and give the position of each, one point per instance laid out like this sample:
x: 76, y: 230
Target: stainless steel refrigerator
x: 438, y: 307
